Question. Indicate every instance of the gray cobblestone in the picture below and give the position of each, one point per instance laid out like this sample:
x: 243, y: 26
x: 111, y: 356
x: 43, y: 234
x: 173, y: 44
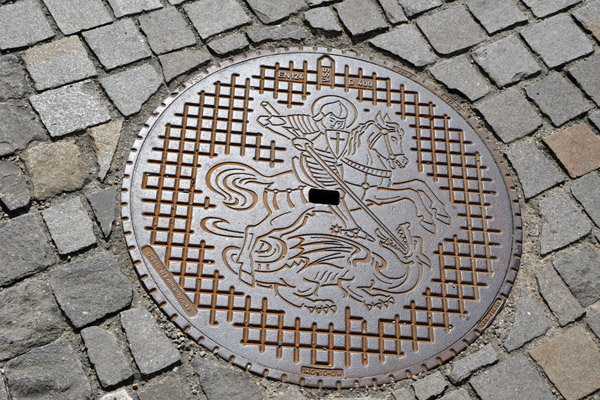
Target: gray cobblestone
x: 54, y: 168
x: 19, y: 127
x: 393, y: 11
x: 414, y: 7
x: 128, y: 7
x: 290, y: 392
x: 595, y: 119
x: 515, y: 378
x: 70, y: 108
x: 510, y: 115
x: 557, y: 40
x: 460, y: 394
x: 558, y: 297
x: 106, y: 356
x: 497, y: 15
x: 589, y: 17
x: 234, y: 42
x: 3, y: 393
x: 314, y: 3
x: 270, y: 12
x: 25, y: 249
x: 23, y: 24
x: 105, y: 140
x: 559, y: 99
x: 529, y: 323
x: 465, y: 367
x: 403, y: 394
x: 220, y: 381
x: 49, y: 372
x: 594, y: 323
x: 586, y: 75
x: 461, y: 75
x: 580, y: 269
x: 13, y: 84
x: 57, y: 63
x: 431, y: 386
x: 167, y: 388
x: 14, y: 193
x: 290, y: 31
x: 506, y: 61
x: 564, y: 223
x: 117, y: 44
x: 587, y: 191
x: 360, y: 17
x: 451, y: 30
x: 28, y: 321
x: 323, y: 18
x: 207, y: 16
x: 103, y: 203
x: 543, y: 8
x: 70, y: 226
x: 151, y: 349
x: 121, y: 394
x: 166, y: 30
x: 406, y: 43
x: 535, y: 171
x: 180, y: 62
x: 130, y: 89
x: 72, y: 17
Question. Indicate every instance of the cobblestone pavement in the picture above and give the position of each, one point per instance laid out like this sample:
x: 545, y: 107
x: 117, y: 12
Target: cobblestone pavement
x: 78, y: 78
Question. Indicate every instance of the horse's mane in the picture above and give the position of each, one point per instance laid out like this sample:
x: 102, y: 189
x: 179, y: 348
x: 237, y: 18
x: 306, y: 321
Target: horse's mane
x: 358, y: 132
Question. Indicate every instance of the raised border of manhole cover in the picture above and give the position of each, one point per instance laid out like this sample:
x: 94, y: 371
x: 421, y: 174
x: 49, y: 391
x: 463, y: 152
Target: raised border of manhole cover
x: 249, y: 365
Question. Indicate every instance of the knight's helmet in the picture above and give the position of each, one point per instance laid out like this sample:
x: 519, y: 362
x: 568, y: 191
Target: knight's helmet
x: 335, y: 108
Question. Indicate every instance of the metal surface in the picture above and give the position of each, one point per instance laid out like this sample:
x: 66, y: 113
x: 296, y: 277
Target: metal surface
x: 402, y: 257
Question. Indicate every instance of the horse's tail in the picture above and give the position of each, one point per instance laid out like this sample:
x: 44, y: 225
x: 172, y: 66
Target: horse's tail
x: 238, y: 184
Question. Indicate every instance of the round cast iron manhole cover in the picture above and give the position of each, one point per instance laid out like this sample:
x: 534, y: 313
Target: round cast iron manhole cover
x: 321, y: 218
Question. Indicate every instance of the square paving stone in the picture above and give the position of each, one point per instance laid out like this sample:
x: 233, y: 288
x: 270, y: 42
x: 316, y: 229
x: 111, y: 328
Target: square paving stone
x: 70, y: 226
x: 586, y: 74
x: 563, y: 224
x: 232, y: 43
x: 90, y: 289
x: 105, y: 138
x: 589, y: 17
x: 572, y: 362
x: 431, y: 386
x: 460, y: 394
x: 515, y: 378
x: 151, y: 349
x: 543, y: 8
x: 103, y: 204
x: 506, y: 61
x: 414, y: 7
x: 530, y: 323
x: 179, y: 62
x: 19, y: 127
x: 460, y: 74
x: 57, y: 63
x: 465, y: 367
x: 360, y: 17
x: 166, y: 30
x: 536, y: 172
x: 587, y: 191
x: 14, y: 193
x: 167, y: 388
x: 117, y: 44
x: 558, y: 297
x: 510, y: 115
x: 221, y: 381
x: 54, y: 168
x: 25, y: 248
x: 70, y: 108
x: 557, y: 40
x: 207, y: 16
x: 496, y: 15
x: 106, y: 356
x: 117, y: 395
x: 393, y: 11
x: 269, y: 11
x: 594, y: 323
x: 23, y: 24
x: 127, y: 7
x: 558, y: 98
x: 288, y: 31
x: 29, y: 318
x: 580, y: 269
x: 577, y: 148
x: 130, y: 89
x: 405, y: 42
x: 50, y: 372
x: 13, y: 83
x: 594, y: 118
x: 451, y: 30
x: 403, y: 394
x: 73, y: 16
x: 323, y: 18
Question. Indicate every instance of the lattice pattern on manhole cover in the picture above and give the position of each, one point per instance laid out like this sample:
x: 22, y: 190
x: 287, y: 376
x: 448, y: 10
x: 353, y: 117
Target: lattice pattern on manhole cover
x: 321, y: 218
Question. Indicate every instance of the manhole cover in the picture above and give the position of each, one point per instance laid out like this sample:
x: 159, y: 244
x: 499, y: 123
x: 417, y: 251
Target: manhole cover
x: 321, y: 218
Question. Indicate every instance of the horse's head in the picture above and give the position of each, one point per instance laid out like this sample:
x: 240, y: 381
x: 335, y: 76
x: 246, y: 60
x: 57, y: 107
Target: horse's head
x: 388, y: 142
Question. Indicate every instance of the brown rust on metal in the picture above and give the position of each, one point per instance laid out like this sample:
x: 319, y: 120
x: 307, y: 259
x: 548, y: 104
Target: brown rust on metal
x: 321, y: 218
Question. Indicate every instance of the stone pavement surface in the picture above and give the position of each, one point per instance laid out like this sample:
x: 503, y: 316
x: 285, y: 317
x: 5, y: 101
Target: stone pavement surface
x: 78, y: 78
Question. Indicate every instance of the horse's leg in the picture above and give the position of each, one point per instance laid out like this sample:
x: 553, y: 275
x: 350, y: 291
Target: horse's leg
x: 433, y: 202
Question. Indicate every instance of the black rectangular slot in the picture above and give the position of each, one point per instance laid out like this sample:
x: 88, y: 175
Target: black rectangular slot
x: 321, y: 196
